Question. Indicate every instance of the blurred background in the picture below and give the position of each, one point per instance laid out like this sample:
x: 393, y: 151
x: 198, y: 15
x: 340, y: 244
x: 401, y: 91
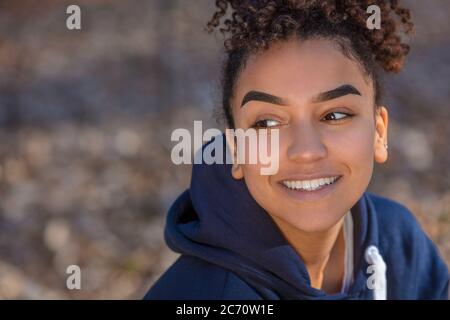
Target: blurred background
x: 85, y: 124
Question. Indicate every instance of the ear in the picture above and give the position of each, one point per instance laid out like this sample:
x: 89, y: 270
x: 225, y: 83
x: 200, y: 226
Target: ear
x: 236, y: 169
x: 381, y: 126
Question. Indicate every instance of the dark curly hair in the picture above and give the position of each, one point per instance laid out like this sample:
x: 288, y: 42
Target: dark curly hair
x: 256, y: 24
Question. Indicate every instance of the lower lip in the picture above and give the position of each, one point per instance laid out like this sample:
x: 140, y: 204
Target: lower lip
x: 318, y: 194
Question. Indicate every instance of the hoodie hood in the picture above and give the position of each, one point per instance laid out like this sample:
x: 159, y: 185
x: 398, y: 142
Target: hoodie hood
x: 218, y: 220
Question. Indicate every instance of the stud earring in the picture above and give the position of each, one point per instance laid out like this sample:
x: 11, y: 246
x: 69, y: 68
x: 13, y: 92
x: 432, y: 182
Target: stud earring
x: 386, y: 146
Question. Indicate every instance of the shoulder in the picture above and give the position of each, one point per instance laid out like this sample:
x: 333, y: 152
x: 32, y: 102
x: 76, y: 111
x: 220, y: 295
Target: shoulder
x: 191, y: 278
x: 393, y: 216
x: 397, y: 225
x: 417, y: 269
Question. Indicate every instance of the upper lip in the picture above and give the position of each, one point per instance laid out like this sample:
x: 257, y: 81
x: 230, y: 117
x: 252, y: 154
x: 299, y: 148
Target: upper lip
x: 301, y: 177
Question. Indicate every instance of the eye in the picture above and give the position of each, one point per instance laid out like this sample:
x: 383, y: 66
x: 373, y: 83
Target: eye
x: 336, y: 116
x: 266, y: 123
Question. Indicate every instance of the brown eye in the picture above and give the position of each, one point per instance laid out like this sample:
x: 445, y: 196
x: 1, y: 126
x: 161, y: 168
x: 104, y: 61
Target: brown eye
x: 266, y: 123
x: 336, y: 116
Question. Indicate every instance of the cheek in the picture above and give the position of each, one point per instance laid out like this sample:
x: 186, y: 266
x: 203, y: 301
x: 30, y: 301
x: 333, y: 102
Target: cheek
x: 355, y: 146
x: 258, y: 185
x: 354, y: 149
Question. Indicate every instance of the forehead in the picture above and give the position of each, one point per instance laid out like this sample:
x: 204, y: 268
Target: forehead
x: 300, y: 69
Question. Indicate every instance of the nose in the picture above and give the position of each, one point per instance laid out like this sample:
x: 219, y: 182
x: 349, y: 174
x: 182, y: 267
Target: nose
x: 306, y: 144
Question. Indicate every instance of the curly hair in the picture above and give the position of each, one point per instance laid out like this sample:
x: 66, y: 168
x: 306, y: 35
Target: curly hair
x: 254, y: 25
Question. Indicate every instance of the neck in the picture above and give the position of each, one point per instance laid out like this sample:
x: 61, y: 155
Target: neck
x: 319, y: 250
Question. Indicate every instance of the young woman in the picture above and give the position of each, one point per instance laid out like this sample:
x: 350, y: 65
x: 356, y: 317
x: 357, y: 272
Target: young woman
x: 311, y: 70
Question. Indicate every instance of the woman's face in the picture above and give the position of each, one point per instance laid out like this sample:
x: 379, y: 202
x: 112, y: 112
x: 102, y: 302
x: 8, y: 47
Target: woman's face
x: 328, y: 129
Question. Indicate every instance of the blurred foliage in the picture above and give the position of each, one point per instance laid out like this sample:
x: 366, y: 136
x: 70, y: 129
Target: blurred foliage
x: 85, y: 124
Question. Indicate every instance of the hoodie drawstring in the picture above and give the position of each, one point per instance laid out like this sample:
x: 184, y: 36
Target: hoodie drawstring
x: 377, y: 267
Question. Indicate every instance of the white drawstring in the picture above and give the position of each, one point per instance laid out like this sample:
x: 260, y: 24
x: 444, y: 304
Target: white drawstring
x: 377, y: 267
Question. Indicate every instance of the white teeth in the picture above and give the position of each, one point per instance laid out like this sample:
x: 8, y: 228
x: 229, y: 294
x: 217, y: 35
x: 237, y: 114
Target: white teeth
x: 309, y: 185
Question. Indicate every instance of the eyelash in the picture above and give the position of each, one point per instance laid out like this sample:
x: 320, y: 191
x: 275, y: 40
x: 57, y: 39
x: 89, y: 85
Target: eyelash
x: 256, y: 126
x: 347, y: 115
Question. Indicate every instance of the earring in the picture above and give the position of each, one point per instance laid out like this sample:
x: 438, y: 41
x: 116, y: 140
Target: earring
x: 386, y: 146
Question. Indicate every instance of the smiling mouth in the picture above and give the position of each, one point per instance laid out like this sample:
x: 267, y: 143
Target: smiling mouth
x: 310, y: 185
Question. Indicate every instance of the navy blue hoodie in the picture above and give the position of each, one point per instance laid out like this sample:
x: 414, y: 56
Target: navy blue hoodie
x: 231, y: 249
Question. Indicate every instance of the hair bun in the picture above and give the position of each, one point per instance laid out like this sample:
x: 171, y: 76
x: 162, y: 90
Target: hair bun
x: 255, y: 24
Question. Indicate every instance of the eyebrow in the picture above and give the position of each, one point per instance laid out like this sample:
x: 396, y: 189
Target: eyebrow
x: 338, y: 92
x: 262, y: 96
